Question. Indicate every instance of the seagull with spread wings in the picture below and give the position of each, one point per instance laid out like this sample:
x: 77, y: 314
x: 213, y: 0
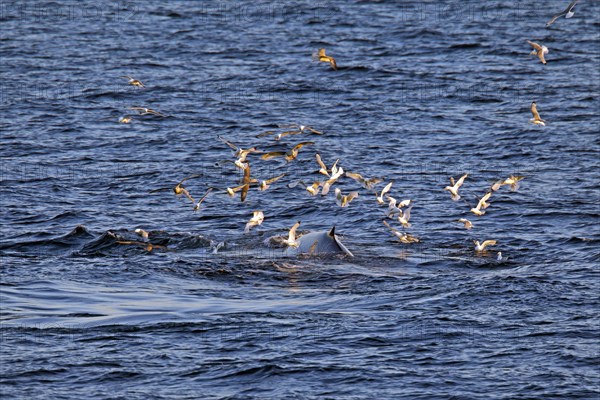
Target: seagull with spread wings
x: 455, y: 186
x: 482, y: 204
x: 567, y: 13
x: 289, y: 155
x: 322, y: 57
x: 132, y: 81
x: 179, y: 189
x: 539, y: 50
x: 481, y: 247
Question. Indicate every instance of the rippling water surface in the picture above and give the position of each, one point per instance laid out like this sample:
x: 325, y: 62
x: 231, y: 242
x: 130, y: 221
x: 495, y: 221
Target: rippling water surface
x: 424, y: 91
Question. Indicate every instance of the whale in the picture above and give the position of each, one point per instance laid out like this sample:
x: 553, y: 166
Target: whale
x: 319, y: 243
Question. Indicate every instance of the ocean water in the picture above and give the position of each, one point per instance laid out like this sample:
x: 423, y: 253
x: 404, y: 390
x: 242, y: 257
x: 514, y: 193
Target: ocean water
x: 424, y: 91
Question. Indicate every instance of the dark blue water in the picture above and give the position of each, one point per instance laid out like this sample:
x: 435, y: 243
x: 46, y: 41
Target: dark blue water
x: 424, y: 91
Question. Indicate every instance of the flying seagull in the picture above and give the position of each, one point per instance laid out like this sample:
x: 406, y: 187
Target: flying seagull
x: 179, y: 189
x: 344, y: 200
x: 466, y: 222
x: 146, y: 111
x: 365, y: 183
x: 257, y: 219
x: 481, y: 204
x: 265, y: 184
x: 539, y: 50
x: 568, y: 13
x: 289, y: 155
x: 512, y: 180
x: 402, y: 237
x: 482, y: 246
x: 536, y: 117
x: 455, y: 186
x: 133, y: 81
x: 321, y: 56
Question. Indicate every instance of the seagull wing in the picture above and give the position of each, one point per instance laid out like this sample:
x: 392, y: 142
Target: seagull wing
x: 245, y: 189
x: 333, y: 63
x: 483, y: 200
x: 497, y: 185
x: 334, y: 167
x: 300, y: 145
x: 534, y: 111
x: 321, y: 163
x: 204, y: 197
x: 273, y: 154
x: 355, y: 176
x: 189, y: 177
x: 351, y: 196
x: 246, y: 179
x: 557, y: 16
x: 535, y: 45
x: 161, y: 190
x: 292, y: 185
x: 267, y: 133
x: 228, y: 143
x: 188, y: 195
x: 154, y: 112
x: 570, y: 7
x: 322, y: 53
x: 292, y: 233
x: 386, y: 189
x: 269, y: 181
x: 287, y: 133
x: 460, y: 182
x: 314, y: 130
x: 488, y: 243
x: 237, y: 188
x: 339, y: 198
x: 406, y: 213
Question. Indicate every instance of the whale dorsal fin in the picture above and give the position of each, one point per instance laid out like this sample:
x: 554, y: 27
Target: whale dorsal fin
x: 332, y: 232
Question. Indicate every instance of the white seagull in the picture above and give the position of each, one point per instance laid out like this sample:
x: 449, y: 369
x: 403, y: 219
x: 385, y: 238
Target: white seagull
x: 481, y: 204
x: 291, y: 240
x: 482, y: 246
x: 257, y: 218
x: 334, y: 177
x: 404, y: 216
x: 539, y: 50
x: 142, y: 233
x: 455, y: 186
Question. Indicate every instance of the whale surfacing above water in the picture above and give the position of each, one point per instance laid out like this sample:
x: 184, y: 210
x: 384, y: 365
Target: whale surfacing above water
x: 319, y: 243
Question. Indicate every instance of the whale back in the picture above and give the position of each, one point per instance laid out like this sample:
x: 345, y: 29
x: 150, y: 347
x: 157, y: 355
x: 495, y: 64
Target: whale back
x: 319, y: 243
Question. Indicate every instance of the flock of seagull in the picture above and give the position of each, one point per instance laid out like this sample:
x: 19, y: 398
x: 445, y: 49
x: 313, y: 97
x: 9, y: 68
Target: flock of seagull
x: 398, y: 210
